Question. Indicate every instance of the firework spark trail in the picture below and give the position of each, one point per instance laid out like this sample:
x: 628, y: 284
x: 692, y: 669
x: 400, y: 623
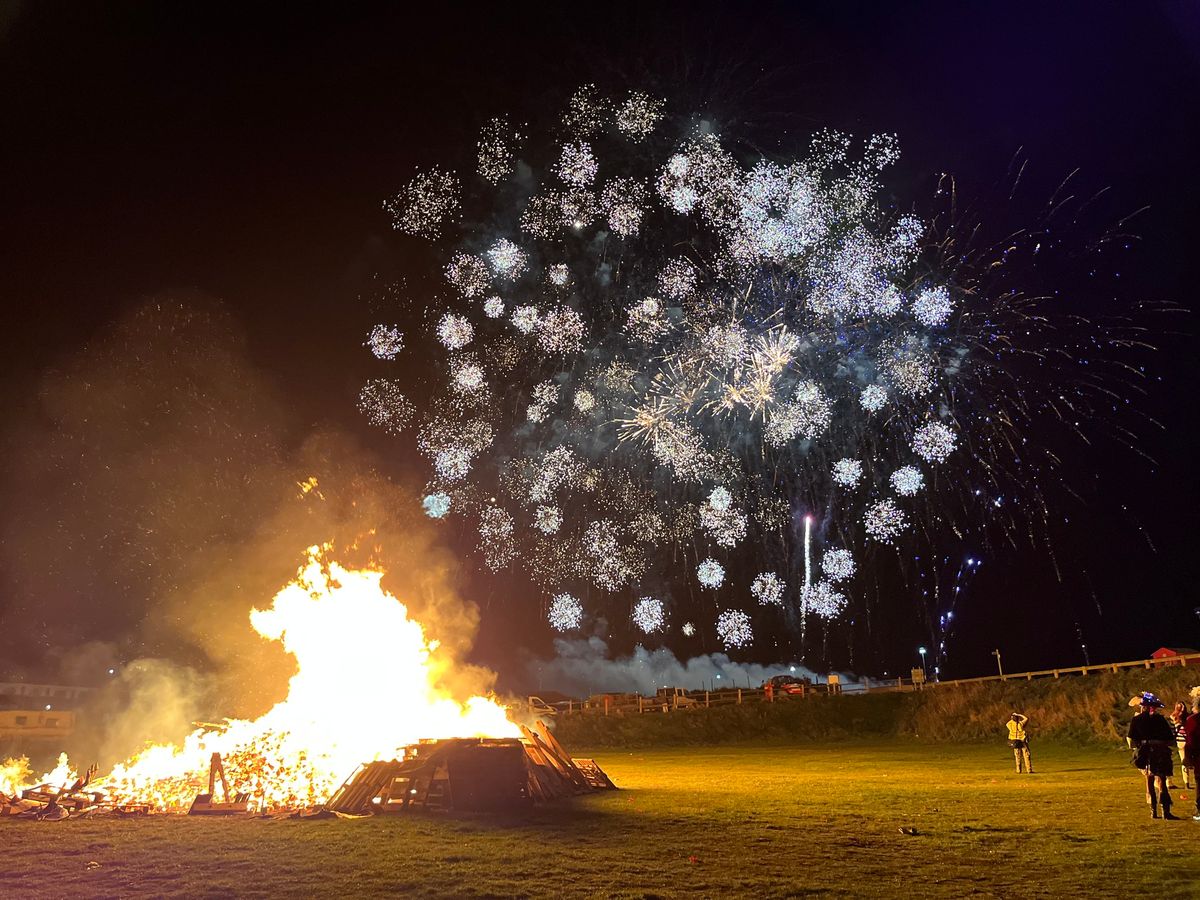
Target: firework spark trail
x: 660, y: 351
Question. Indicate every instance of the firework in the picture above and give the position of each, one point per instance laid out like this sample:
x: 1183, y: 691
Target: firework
x: 495, y: 151
x: 907, y: 481
x: 847, y: 472
x: 838, y: 565
x: 422, y: 206
x: 648, y: 615
x: 934, y: 442
x: 638, y: 115
x: 455, y: 332
x: 710, y: 573
x: 659, y: 349
x: 436, y: 506
x: 565, y: 613
x: 688, y: 629
x: 824, y: 600
x: 768, y: 589
x: 385, y: 341
x: 385, y: 406
x: 734, y: 629
x: 884, y: 521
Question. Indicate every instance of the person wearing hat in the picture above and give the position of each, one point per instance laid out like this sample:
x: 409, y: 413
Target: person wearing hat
x: 1153, y: 739
x: 1018, y: 739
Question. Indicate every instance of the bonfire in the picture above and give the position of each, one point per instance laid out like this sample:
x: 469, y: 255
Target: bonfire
x: 297, y: 755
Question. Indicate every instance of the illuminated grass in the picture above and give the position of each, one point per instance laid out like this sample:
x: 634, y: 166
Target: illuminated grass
x: 736, y: 821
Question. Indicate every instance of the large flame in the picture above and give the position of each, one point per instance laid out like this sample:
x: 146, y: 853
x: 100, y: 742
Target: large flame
x: 366, y: 685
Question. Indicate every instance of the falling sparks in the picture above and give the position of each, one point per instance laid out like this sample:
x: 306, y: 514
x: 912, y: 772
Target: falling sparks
x: 638, y: 115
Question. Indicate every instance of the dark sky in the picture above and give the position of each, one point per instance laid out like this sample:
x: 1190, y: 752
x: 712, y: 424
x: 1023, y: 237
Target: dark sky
x: 242, y: 151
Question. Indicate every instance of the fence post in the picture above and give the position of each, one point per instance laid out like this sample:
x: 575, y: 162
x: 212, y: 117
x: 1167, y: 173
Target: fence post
x: 739, y: 697
x: 606, y: 704
x: 1056, y: 673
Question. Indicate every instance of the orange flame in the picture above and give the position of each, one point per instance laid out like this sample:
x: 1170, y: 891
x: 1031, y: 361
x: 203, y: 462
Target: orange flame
x: 367, y: 684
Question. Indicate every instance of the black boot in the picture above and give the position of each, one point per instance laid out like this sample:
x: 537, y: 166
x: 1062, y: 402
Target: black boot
x: 1166, y: 804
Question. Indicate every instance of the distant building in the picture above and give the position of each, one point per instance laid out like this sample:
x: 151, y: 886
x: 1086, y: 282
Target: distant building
x: 31, y: 714
x: 1169, y: 656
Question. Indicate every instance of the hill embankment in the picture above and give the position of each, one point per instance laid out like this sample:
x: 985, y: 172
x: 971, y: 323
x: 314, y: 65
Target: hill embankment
x: 1077, y: 709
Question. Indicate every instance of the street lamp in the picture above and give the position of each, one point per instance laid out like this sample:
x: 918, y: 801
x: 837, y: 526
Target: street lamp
x: 924, y: 671
x: 999, y: 668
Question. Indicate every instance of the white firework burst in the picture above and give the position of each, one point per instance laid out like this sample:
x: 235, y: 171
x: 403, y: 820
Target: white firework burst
x: 638, y: 115
x: 584, y: 401
x: 824, y: 600
x: 934, y: 442
x: 907, y: 481
x: 493, y: 307
x: 385, y: 341
x: 506, y: 259
x: 873, y: 398
x: 838, y: 565
x: 469, y: 274
x: 847, y: 472
x: 525, y: 318
x: 454, y: 331
x: 548, y: 519
x: 768, y: 589
x: 423, y: 206
x: 565, y: 613
x: 884, y: 521
x: 385, y: 406
x: 577, y: 165
x: 733, y: 629
x: 648, y: 615
x: 688, y: 629
x: 710, y: 573
x: 933, y: 306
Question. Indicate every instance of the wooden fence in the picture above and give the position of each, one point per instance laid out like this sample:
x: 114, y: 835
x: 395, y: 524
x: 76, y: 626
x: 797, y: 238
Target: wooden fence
x: 623, y: 704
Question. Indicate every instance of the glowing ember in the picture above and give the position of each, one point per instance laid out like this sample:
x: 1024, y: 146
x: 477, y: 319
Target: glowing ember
x: 346, y: 704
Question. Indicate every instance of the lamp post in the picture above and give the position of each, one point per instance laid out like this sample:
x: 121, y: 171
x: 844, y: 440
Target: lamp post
x: 999, y: 668
x: 924, y: 671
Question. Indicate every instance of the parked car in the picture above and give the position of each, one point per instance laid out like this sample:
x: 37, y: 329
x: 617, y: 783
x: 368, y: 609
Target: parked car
x: 540, y: 707
x: 790, y: 684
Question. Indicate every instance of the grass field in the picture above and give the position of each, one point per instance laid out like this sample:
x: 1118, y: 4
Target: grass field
x: 710, y: 822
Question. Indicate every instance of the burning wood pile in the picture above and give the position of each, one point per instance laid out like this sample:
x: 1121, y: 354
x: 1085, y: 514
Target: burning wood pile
x: 462, y: 774
x: 453, y: 753
x: 470, y: 774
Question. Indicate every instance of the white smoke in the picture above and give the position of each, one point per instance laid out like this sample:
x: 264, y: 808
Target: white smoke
x: 582, y: 667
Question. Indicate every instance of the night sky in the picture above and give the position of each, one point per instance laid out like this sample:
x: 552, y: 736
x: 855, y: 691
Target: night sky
x: 190, y: 203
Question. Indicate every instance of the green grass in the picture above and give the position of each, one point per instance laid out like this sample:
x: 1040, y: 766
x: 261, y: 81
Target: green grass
x: 710, y: 822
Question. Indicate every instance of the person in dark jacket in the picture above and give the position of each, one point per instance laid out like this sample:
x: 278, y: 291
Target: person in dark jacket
x: 1153, y: 740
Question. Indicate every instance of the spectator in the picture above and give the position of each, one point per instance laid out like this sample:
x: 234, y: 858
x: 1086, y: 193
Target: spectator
x: 1191, y: 743
x: 1018, y: 739
x: 1179, y: 717
x: 1153, y: 739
